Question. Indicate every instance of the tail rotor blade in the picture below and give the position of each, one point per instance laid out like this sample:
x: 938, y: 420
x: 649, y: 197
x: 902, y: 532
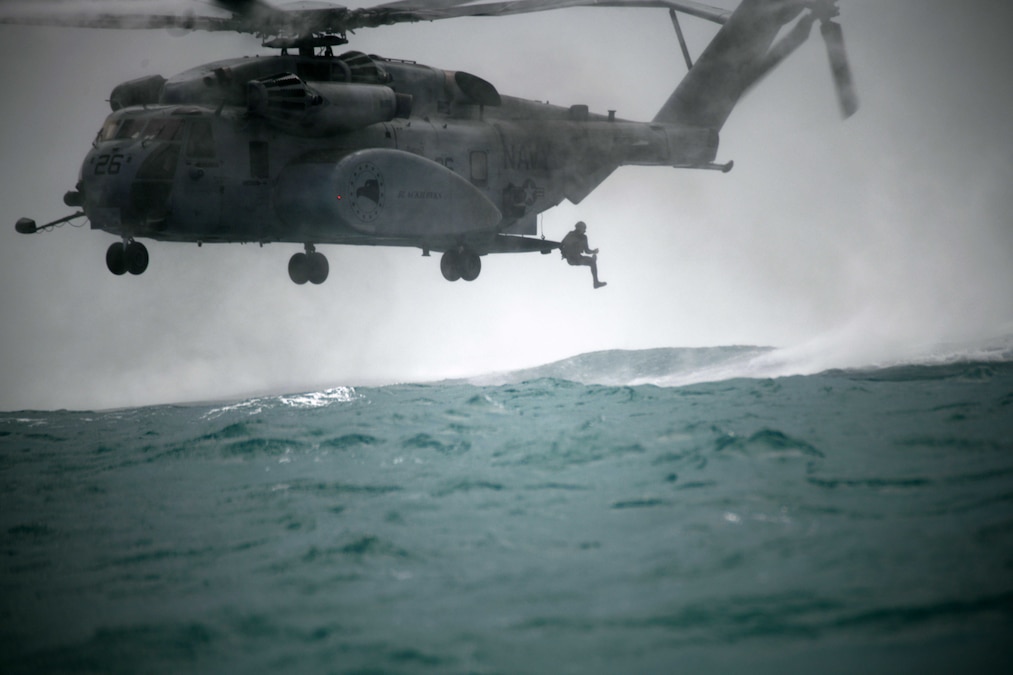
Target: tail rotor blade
x: 846, y: 96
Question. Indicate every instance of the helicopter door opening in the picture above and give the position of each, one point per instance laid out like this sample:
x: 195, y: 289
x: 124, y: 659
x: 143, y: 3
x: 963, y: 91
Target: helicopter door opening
x: 197, y: 199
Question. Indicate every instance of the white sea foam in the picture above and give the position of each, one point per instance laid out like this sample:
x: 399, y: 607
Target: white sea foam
x: 313, y: 399
x: 253, y: 406
x: 320, y: 399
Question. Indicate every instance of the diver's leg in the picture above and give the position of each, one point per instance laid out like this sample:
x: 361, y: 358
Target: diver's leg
x: 593, y: 263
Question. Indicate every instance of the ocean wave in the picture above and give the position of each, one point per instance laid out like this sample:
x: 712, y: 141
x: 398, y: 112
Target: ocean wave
x: 529, y: 525
x: 672, y: 367
x: 304, y: 401
x: 319, y: 399
x: 678, y: 367
x: 619, y: 367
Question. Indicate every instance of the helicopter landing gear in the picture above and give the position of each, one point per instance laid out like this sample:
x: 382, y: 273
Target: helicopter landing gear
x: 310, y: 266
x: 460, y: 263
x: 127, y: 256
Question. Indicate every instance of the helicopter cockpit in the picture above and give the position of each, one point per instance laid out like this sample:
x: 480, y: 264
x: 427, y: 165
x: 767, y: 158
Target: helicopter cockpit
x: 127, y: 178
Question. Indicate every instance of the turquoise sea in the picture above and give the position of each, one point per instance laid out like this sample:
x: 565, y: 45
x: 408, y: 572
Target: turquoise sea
x: 619, y: 512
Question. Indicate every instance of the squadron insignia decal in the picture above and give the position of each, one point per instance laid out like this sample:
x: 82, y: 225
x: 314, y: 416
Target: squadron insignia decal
x: 367, y: 192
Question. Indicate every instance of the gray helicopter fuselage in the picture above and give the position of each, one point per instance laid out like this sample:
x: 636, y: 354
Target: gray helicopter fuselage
x: 352, y: 150
x: 357, y: 149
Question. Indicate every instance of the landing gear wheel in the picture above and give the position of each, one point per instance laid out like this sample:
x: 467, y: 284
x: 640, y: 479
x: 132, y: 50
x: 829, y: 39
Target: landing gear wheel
x: 470, y: 265
x: 317, y: 267
x: 136, y: 257
x: 299, y: 268
x: 450, y: 265
x: 309, y: 266
x: 116, y: 258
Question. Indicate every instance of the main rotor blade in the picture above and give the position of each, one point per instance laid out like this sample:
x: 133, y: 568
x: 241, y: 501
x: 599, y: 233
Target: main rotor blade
x: 258, y: 17
x: 125, y: 21
x: 833, y: 35
x: 419, y: 4
x: 238, y: 6
x: 254, y: 12
x: 432, y: 10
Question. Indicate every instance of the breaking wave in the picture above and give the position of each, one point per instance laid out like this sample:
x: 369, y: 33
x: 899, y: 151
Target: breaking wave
x: 677, y: 367
x: 307, y: 400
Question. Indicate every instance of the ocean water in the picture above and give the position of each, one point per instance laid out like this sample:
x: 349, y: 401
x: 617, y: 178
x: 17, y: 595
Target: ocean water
x: 613, y: 513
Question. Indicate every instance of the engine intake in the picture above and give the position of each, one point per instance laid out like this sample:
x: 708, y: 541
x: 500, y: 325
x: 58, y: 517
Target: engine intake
x: 325, y: 108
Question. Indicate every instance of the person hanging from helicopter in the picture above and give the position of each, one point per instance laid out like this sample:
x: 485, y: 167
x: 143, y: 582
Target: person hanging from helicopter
x: 574, y: 245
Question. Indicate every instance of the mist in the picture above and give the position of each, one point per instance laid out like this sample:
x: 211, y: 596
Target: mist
x: 848, y: 243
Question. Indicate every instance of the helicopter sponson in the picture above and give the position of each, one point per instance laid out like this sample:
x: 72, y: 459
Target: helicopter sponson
x: 382, y: 192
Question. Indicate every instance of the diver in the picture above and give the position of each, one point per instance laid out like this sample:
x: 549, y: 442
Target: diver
x: 575, y: 244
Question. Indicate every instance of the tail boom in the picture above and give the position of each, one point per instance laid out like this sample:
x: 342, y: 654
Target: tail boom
x: 738, y: 56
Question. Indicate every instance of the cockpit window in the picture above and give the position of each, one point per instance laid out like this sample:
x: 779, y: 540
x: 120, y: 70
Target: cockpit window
x: 108, y: 131
x: 164, y: 129
x: 130, y: 128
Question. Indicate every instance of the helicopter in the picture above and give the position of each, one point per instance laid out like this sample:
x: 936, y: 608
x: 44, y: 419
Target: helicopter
x: 311, y: 148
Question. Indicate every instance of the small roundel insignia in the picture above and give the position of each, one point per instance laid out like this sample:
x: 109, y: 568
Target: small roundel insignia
x: 366, y: 188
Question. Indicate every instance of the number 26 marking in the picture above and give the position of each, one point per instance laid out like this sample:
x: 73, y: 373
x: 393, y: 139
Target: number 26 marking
x: 108, y: 164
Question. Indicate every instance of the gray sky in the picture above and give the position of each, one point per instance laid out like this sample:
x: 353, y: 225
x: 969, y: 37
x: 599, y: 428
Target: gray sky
x: 847, y: 243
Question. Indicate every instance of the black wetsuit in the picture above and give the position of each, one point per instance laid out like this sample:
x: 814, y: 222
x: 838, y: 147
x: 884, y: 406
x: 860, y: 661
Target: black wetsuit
x: 572, y: 247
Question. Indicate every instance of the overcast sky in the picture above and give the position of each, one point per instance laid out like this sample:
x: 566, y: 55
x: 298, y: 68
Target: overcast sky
x: 848, y: 242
